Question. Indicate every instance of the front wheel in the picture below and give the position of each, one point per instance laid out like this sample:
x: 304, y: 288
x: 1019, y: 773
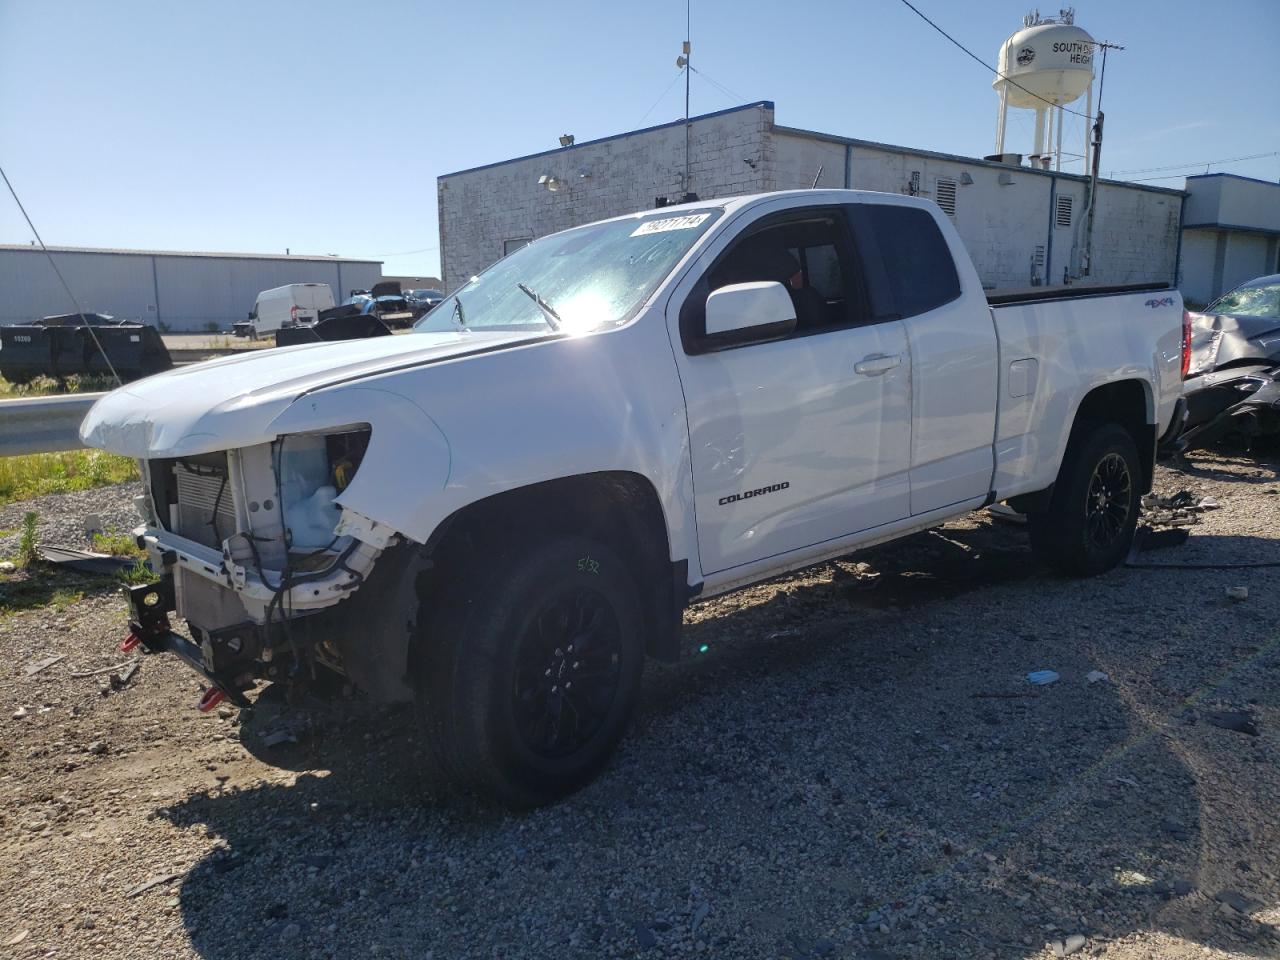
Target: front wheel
x: 1088, y: 526
x: 527, y: 675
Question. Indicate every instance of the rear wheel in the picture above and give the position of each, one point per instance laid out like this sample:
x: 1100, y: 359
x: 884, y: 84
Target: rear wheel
x: 1088, y: 526
x: 528, y: 674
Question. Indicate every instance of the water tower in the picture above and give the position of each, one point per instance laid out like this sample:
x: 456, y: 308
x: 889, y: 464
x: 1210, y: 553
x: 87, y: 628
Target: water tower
x: 1046, y: 64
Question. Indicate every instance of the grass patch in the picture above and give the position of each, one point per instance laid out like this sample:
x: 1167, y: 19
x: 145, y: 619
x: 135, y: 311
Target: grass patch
x: 117, y: 543
x: 57, y: 591
x: 36, y: 474
x: 137, y: 574
x: 50, y: 386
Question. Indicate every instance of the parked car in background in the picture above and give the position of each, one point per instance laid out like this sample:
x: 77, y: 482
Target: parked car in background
x: 292, y: 304
x: 422, y: 300
x: 389, y: 305
x: 1233, y: 382
x: 501, y: 514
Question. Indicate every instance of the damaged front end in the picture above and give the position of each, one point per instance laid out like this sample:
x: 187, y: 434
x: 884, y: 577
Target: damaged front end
x: 1233, y: 380
x: 256, y: 553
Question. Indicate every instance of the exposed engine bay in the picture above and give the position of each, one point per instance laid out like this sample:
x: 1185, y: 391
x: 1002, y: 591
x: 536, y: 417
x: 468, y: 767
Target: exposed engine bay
x: 252, y: 547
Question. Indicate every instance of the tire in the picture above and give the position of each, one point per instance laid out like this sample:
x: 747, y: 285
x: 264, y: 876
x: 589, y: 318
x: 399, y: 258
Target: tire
x: 494, y: 666
x: 1088, y: 526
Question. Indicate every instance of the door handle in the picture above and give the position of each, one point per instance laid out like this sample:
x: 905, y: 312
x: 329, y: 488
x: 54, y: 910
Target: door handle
x: 875, y: 364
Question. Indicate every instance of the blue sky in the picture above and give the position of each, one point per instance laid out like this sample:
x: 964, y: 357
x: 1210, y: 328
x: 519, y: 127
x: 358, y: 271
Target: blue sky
x: 321, y: 126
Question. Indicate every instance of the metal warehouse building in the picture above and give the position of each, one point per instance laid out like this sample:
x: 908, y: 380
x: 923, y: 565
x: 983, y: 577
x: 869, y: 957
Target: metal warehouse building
x: 1022, y: 226
x: 172, y: 290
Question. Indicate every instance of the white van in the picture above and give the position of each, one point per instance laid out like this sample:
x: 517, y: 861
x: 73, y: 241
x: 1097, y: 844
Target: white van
x: 285, y: 306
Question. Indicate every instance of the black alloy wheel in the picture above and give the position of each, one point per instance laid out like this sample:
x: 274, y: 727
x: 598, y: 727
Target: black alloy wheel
x: 567, y: 673
x: 1109, y: 502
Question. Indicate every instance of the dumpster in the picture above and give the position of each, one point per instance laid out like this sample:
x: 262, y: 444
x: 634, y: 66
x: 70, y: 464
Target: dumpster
x: 62, y: 346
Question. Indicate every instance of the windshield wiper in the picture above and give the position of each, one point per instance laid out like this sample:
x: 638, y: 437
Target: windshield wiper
x: 459, y: 317
x: 548, y: 311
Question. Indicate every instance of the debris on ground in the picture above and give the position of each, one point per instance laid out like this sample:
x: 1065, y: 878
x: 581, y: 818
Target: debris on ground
x: 20, y: 713
x: 119, y: 680
x: 86, y: 561
x: 43, y: 664
x: 1146, y: 539
x: 105, y: 670
x: 149, y: 884
x: 1176, y: 510
x: 1238, y: 593
x: 1237, y: 901
x: 1236, y: 721
x: 1097, y: 676
x: 1072, y: 944
x: 1042, y: 678
x: 8, y: 566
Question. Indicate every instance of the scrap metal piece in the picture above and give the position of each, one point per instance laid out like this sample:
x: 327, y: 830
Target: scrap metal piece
x: 85, y: 561
x: 153, y: 882
x: 33, y: 668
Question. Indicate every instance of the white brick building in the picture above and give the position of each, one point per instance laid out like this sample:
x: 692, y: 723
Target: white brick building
x: 1231, y: 233
x: 1021, y: 226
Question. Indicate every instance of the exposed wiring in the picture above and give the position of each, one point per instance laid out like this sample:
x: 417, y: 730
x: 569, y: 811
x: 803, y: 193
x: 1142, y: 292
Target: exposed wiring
x: 65, y: 286
x: 974, y: 56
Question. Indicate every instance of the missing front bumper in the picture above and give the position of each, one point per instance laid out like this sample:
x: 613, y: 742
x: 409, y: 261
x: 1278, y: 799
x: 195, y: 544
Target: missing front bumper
x: 232, y: 659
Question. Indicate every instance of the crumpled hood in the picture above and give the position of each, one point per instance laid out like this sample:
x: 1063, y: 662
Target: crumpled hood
x: 231, y: 402
x: 1219, y: 340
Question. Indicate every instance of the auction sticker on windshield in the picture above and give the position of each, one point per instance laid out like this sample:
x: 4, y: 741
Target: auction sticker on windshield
x: 671, y: 223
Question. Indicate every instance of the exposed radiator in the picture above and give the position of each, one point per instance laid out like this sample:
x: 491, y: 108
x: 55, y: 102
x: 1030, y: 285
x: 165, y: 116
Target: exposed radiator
x: 198, y: 495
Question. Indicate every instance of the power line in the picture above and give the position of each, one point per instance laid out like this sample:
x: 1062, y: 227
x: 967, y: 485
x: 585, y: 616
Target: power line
x: 65, y: 286
x: 1196, y: 163
x: 405, y: 253
x: 661, y: 96
x: 734, y: 97
x: 974, y: 56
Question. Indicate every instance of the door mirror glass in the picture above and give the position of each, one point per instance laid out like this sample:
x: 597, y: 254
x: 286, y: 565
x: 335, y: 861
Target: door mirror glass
x: 749, y: 312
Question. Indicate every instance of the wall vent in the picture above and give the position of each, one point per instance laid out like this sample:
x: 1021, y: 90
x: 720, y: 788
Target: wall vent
x: 946, y: 196
x: 1063, y: 215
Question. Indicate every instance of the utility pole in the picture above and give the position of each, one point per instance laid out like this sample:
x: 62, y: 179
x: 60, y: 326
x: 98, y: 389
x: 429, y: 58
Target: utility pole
x: 1087, y: 266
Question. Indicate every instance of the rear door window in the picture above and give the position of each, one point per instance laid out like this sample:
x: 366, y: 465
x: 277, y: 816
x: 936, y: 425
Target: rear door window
x: 910, y: 269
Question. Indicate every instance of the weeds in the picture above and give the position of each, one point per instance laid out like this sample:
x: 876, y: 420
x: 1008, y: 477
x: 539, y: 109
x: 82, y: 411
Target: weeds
x: 28, y: 543
x: 137, y: 574
x: 36, y: 474
x: 117, y: 543
x: 64, y: 597
x: 43, y: 386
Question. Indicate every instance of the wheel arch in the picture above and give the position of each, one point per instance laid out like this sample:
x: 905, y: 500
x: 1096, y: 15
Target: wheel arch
x: 619, y: 508
x: 1130, y: 404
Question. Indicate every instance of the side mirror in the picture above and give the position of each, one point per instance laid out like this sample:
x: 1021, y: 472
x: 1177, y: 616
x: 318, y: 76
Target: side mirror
x: 748, y: 312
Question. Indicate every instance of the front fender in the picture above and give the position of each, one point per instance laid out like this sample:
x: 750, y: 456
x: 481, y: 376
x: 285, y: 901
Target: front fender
x: 408, y: 459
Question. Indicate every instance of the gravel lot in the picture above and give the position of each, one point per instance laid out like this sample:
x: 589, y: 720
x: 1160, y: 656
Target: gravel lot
x: 856, y: 766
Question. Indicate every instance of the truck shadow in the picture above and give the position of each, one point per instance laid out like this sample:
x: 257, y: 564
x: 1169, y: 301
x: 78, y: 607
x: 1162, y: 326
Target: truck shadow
x: 844, y: 766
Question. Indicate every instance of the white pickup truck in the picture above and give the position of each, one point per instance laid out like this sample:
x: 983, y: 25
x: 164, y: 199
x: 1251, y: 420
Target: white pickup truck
x: 500, y: 514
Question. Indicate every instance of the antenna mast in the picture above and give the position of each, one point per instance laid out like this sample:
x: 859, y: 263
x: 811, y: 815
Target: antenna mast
x: 682, y: 61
